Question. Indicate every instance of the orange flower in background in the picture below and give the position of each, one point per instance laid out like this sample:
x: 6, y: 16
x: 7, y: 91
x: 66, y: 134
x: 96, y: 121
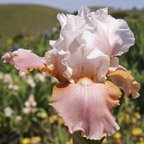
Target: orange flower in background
x: 84, y: 59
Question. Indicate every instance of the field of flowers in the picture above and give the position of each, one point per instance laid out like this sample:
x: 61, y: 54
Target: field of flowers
x: 26, y: 117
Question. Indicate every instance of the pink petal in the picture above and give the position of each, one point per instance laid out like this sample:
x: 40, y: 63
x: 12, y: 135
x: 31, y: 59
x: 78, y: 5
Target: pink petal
x: 119, y: 34
x: 85, y: 107
x: 24, y: 60
x: 72, y: 27
x: 114, y: 63
x: 57, y: 66
x: 84, y: 63
x: 8, y: 57
x: 95, y: 40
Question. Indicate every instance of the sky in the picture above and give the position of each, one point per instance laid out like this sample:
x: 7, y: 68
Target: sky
x: 72, y: 5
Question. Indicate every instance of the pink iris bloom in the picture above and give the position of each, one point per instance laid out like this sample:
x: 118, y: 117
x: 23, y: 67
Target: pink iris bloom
x: 84, y: 59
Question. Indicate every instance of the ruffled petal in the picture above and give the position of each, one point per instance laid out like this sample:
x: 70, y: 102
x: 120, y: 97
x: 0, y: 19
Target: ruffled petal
x: 84, y: 12
x: 100, y: 34
x: 24, y: 60
x: 87, y: 35
x: 68, y: 41
x: 73, y: 23
x: 93, y: 64
x: 73, y: 27
x: 80, y: 57
x: 62, y: 19
x: 85, y: 107
x: 56, y: 65
x: 8, y: 57
x: 124, y: 80
x: 114, y: 94
x: 119, y: 34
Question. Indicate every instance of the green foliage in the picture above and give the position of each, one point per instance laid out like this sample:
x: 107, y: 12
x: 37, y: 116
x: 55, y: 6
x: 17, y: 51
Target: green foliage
x: 24, y: 105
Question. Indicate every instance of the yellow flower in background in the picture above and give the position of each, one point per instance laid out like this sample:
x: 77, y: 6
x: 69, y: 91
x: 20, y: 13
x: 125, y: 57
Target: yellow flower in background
x: 53, y: 119
x: 137, y: 131
x: 70, y: 141
x: 42, y: 115
x: 25, y: 141
x: 60, y: 121
x: 142, y: 142
x: 121, y: 118
x: 137, y: 115
x: 35, y: 140
x: 124, y: 118
x: 9, y: 41
x: 134, y: 120
x: 117, y: 135
x: 127, y: 118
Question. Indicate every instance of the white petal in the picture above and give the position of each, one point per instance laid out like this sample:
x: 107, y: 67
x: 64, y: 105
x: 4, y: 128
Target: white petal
x: 119, y: 34
x: 52, y: 42
x: 94, y: 65
x: 101, y: 14
x: 62, y: 19
x: 95, y: 40
x: 83, y: 12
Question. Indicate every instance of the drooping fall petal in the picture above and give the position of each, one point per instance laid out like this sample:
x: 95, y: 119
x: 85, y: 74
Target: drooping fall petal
x: 24, y: 60
x: 126, y: 81
x: 85, y: 107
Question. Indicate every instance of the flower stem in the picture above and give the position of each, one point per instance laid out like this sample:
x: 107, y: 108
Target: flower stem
x: 77, y: 139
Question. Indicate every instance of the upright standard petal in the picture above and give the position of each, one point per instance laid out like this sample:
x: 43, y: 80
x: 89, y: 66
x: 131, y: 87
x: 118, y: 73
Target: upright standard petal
x: 119, y: 34
x: 62, y: 19
x: 24, y: 60
x: 85, y: 107
x: 92, y: 64
x: 84, y: 12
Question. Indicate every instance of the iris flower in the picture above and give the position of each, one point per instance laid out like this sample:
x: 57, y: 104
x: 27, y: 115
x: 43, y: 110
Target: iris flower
x: 85, y: 61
